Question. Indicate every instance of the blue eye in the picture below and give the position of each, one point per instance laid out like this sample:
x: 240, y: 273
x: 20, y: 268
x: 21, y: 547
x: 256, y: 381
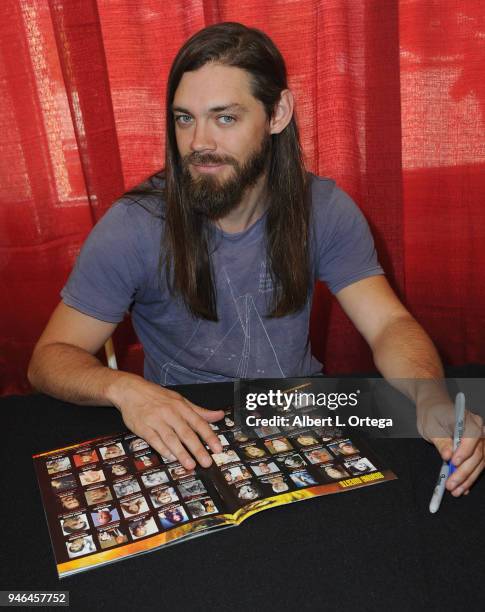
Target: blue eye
x: 226, y: 119
x: 183, y: 119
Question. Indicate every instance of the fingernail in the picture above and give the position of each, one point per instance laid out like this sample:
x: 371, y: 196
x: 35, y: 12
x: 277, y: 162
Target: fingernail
x: 457, y: 461
x: 458, y: 491
x: 466, y: 492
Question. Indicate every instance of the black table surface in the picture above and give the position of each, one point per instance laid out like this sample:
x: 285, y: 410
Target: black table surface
x: 368, y: 549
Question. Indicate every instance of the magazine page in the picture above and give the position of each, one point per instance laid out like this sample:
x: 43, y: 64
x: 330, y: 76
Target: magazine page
x: 114, y: 497
x: 284, y: 460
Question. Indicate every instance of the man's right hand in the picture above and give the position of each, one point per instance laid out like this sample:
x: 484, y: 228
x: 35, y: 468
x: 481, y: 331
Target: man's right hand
x: 167, y: 421
x: 64, y: 365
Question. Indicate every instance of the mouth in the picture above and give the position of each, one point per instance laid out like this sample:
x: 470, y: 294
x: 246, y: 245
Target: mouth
x: 208, y: 168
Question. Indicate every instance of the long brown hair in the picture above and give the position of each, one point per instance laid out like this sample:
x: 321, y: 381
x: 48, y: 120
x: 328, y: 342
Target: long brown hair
x: 187, y: 243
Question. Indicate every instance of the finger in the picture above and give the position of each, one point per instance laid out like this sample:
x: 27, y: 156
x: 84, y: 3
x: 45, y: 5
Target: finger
x: 465, y: 449
x: 472, y: 438
x: 444, y: 447
x: 194, y: 415
x: 208, y: 415
x: 465, y: 470
x: 204, y: 431
x: 192, y: 442
x: 152, y: 438
x: 465, y: 486
x: 184, y: 421
x: 173, y: 443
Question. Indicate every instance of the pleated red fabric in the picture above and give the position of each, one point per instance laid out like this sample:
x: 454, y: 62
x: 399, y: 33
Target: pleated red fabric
x: 390, y: 103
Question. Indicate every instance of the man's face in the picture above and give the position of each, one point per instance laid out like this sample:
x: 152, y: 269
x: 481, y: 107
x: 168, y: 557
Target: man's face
x: 101, y: 494
x: 75, y: 523
x: 176, y: 517
x: 138, y: 444
x: 139, y: 531
x: 112, y: 451
x: 70, y: 503
x: 306, y: 440
x: 104, y: 517
x: 119, y: 470
x: 164, y: 497
x: 333, y: 472
x: 77, y: 545
x: 347, y: 449
x: 223, y: 137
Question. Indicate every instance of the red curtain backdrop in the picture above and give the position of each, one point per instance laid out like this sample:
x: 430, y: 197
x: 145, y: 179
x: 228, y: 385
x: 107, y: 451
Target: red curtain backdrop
x: 390, y: 102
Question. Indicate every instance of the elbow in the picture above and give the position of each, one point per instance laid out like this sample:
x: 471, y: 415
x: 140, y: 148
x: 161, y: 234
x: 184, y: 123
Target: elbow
x: 31, y: 372
x: 33, y: 369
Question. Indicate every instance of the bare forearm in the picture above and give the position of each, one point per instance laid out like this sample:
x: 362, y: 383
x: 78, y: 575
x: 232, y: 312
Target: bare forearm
x: 404, y: 350
x: 73, y: 375
x: 406, y: 357
x: 169, y: 423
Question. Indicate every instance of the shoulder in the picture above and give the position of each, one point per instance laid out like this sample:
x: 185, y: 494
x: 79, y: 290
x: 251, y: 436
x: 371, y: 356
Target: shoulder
x: 321, y: 189
x: 127, y: 238
x: 340, y: 237
x: 135, y: 217
x: 334, y: 214
x: 329, y: 203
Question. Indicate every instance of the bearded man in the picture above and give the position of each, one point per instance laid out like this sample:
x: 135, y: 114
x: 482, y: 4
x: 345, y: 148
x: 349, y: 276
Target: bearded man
x: 216, y: 257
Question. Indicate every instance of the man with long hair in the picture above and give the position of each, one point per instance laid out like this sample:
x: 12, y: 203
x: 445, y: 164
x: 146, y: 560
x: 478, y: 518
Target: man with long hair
x: 217, y: 256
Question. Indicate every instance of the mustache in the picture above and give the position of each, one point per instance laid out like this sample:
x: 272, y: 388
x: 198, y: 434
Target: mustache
x: 207, y: 159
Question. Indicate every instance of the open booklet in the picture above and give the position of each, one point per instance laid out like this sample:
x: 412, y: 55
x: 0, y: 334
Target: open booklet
x: 115, y: 497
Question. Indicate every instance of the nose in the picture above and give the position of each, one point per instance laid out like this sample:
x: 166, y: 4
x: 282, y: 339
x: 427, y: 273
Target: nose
x: 202, y: 139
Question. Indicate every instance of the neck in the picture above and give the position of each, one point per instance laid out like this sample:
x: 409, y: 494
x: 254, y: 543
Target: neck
x: 248, y: 211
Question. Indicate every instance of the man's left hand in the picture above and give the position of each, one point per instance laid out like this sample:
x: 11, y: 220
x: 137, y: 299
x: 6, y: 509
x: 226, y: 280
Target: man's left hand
x: 468, y: 458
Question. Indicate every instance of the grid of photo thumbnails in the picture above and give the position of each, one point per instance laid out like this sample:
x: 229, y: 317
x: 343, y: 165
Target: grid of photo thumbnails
x: 106, y: 494
x: 267, y: 461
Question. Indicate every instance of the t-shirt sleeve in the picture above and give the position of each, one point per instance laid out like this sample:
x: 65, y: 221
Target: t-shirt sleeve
x: 108, y: 270
x: 345, y: 247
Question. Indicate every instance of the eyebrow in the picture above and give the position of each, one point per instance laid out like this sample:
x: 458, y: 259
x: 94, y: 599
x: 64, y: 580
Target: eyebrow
x: 215, y: 109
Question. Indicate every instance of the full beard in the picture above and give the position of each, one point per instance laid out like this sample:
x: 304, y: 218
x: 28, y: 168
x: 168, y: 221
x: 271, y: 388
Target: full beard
x: 208, y: 196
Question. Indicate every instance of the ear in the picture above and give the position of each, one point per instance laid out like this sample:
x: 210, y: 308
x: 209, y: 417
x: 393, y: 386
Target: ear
x: 283, y: 112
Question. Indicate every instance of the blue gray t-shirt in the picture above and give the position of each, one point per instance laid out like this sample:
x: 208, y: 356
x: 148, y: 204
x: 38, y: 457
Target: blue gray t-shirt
x: 118, y: 270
